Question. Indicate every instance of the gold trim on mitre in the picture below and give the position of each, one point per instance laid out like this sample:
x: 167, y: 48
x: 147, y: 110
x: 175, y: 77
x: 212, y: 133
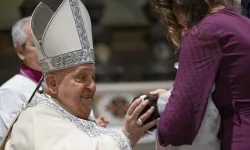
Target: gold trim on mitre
x: 63, y: 38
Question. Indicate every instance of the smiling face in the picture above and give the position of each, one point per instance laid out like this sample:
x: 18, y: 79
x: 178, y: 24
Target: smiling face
x: 74, y: 88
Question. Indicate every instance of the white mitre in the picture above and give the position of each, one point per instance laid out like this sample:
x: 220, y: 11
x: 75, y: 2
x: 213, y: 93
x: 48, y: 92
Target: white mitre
x: 63, y: 38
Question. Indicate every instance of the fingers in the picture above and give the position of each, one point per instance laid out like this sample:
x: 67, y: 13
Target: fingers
x: 102, y: 124
x: 106, y: 121
x: 149, y: 125
x: 139, y: 109
x: 133, y: 106
x: 147, y: 114
x: 101, y: 119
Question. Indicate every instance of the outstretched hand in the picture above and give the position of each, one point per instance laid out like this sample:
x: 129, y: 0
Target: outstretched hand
x: 101, y: 121
x: 133, y: 127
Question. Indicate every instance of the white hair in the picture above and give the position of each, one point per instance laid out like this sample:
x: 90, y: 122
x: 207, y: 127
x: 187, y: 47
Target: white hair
x: 18, y: 35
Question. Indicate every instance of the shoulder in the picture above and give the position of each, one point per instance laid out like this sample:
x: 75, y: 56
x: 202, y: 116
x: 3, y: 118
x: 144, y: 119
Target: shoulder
x: 78, y: 140
x: 64, y: 133
x: 205, y: 29
x: 42, y: 116
x: 45, y: 118
x: 11, y: 102
x: 214, y: 23
x: 219, y: 23
x: 203, y: 36
x: 13, y: 82
x: 18, y: 83
x: 37, y: 123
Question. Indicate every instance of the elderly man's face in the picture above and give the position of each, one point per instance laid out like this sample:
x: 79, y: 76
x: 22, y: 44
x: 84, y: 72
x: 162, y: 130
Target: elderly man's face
x: 75, y: 88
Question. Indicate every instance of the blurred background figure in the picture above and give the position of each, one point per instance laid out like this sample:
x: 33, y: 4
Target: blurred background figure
x: 17, y: 90
x: 246, y: 7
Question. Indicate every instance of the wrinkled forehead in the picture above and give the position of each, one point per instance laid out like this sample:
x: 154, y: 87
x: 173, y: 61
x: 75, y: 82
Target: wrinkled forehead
x: 86, y: 68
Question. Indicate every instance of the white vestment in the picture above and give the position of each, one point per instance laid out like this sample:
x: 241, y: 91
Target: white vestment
x: 46, y: 125
x: 13, y: 94
x: 206, y: 138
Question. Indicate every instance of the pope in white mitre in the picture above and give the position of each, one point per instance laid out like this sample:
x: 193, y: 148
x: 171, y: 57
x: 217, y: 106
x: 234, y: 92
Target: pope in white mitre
x: 58, y: 118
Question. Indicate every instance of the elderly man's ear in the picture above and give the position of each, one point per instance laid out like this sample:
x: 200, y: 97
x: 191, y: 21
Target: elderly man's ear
x: 20, y: 52
x: 51, y: 83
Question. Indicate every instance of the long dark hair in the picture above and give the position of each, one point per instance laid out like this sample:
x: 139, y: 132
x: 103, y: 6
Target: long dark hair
x: 195, y: 10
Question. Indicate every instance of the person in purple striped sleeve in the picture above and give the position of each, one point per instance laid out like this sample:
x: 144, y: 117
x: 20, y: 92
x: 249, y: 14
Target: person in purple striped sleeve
x: 214, y: 50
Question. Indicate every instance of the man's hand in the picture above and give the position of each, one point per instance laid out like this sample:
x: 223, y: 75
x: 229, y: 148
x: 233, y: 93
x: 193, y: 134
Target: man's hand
x: 101, y: 121
x: 133, y: 127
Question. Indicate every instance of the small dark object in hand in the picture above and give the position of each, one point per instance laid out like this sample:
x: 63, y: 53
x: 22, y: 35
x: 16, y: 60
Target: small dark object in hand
x: 152, y: 98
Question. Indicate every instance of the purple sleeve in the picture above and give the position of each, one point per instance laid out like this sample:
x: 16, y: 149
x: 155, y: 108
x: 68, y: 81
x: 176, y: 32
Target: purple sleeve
x: 199, y: 61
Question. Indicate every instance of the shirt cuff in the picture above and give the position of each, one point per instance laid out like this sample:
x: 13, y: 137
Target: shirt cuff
x: 162, y: 101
